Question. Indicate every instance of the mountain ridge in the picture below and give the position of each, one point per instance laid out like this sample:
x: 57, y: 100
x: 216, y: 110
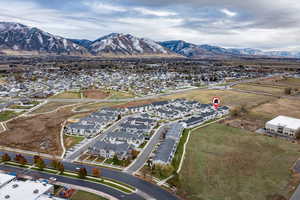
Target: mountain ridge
x: 17, y: 38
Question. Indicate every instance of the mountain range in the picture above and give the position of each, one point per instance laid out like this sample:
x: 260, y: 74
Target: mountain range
x: 19, y: 39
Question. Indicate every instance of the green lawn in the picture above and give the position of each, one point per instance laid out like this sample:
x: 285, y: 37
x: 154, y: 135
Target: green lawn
x: 228, y: 163
x: 70, y: 140
x: 82, y: 195
x: 6, y: 115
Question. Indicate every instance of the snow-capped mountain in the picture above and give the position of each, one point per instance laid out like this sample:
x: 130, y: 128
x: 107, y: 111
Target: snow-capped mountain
x: 18, y: 37
x: 195, y: 51
x: 208, y: 51
x: 82, y: 42
x: 127, y: 45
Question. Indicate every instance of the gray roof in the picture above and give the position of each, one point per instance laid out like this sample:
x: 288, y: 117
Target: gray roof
x: 175, y: 131
x: 165, y: 150
x: 118, y: 148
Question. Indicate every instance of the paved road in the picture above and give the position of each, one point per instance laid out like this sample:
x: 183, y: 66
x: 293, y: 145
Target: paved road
x: 148, y: 188
x: 142, y: 158
x: 101, y: 188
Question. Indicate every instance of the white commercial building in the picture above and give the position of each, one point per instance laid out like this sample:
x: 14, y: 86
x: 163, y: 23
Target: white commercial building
x: 283, y: 125
x: 13, y: 189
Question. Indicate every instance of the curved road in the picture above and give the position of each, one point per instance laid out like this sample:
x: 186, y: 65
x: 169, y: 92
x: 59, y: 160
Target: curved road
x: 148, y: 188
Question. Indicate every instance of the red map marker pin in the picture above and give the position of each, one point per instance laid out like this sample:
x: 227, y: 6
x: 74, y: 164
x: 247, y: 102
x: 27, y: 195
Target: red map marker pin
x: 216, y: 102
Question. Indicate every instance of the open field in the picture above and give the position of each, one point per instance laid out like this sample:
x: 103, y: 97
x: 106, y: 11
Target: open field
x: 40, y: 133
x: 95, y: 94
x: 256, y: 117
x: 288, y: 107
x: 70, y: 141
x: 67, y: 95
x: 228, y: 97
x: 137, y: 103
x: 82, y: 195
x: 51, y: 106
x: 229, y: 163
x: 6, y: 115
x: 119, y: 94
x: 275, y: 90
x: 96, y: 106
x: 283, y: 82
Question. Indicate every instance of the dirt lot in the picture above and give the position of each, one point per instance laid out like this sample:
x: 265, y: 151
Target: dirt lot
x: 95, y: 94
x: 40, y: 133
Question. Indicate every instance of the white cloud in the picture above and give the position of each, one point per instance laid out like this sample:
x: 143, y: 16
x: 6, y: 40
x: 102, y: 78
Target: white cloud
x: 158, y: 13
x: 228, y: 12
x: 104, y: 8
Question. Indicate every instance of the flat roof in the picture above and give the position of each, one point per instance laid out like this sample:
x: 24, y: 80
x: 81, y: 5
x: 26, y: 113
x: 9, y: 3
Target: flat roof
x: 288, y: 122
x: 25, y: 190
x: 5, y: 178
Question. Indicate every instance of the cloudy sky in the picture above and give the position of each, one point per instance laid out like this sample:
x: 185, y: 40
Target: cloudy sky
x: 265, y: 24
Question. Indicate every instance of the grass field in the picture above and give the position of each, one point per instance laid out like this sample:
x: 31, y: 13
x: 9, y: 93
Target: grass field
x: 229, y: 163
x: 93, y: 106
x: 228, y: 97
x: 275, y: 90
x: 6, y: 115
x: 70, y: 141
x: 288, y: 107
x: 51, y: 106
x: 82, y: 195
x: 67, y: 95
x: 283, y: 82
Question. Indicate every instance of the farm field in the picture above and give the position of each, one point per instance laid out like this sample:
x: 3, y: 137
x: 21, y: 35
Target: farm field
x: 229, y: 163
x: 228, y: 97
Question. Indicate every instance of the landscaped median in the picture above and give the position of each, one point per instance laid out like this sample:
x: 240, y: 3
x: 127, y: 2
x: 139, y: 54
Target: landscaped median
x: 104, y: 181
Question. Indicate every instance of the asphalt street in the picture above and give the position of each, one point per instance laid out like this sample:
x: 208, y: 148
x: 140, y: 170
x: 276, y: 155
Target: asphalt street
x: 82, y: 183
x: 150, y: 189
x: 142, y: 158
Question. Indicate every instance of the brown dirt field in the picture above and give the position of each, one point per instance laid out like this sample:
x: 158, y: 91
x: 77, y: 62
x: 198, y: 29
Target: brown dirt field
x: 40, y: 133
x: 95, y: 94
x: 246, y: 123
